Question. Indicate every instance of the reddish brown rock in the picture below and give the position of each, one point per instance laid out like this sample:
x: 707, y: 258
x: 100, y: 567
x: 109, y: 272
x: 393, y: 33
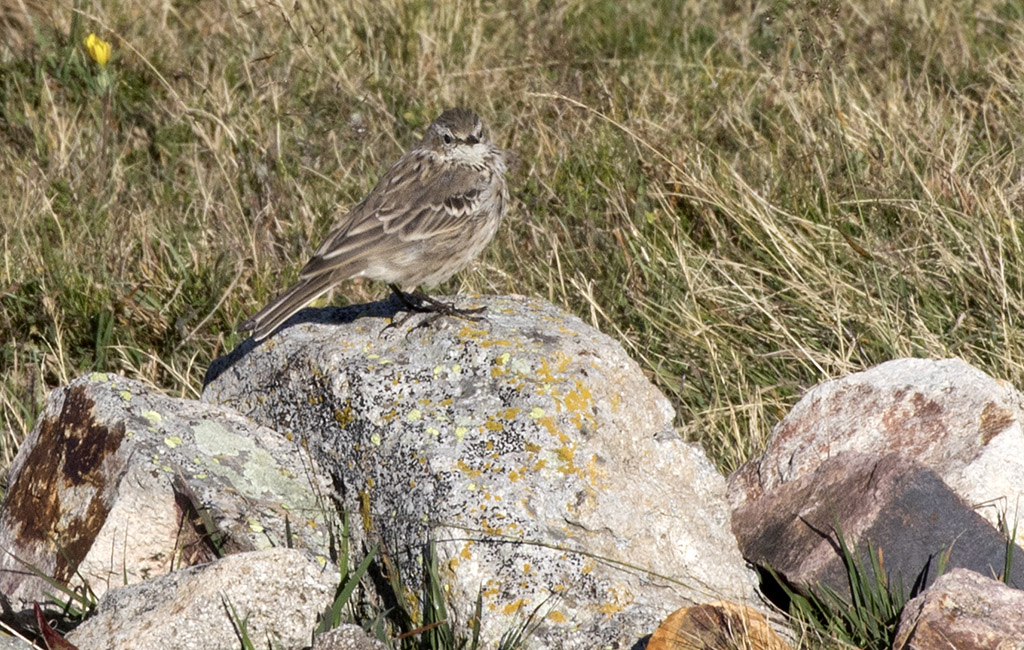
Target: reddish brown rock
x: 946, y: 415
x: 59, y: 496
x: 965, y: 611
x: 888, y: 502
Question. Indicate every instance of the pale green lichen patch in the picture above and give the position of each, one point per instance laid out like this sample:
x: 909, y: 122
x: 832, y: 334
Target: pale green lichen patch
x: 126, y: 396
x: 252, y: 470
x: 216, y: 439
x: 99, y: 376
x: 153, y: 418
x: 173, y: 441
x: 520, y: 366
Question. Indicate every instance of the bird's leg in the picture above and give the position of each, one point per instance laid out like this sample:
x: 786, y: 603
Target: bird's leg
x: 404, y: 298
x: 418, y: 302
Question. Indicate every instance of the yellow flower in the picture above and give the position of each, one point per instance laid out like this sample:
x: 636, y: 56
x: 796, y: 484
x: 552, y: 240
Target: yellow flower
x: 98, y: 49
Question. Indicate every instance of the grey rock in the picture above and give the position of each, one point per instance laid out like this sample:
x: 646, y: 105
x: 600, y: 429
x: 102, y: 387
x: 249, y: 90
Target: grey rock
x: 347, y: 637
x: 529, y: 447
x: 965, y: 611
x: 887, y: 502
x: 946, y: 415
x: 14, y: 643
x: 277, y: 594
x: 114, y: 481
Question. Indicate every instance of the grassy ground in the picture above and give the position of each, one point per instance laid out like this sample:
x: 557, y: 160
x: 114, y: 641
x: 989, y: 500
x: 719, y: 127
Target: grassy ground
x: 751, y: 196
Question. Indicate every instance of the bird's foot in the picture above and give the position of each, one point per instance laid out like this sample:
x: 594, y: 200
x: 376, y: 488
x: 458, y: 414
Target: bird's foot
x: 418, y: 302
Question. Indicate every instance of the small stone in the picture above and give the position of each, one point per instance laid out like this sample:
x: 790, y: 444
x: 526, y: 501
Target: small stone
x: 966, y: 611
x: 277, y: 594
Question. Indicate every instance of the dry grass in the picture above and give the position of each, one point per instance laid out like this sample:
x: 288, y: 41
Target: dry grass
x: 751, y: 197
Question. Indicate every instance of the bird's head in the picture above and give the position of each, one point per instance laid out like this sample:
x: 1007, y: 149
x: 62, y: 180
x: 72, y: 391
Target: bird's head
x: 458, y: 133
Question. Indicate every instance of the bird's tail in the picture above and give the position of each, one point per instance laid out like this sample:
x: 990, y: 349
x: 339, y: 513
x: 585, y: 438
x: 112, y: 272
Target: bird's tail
x: 265, y: 321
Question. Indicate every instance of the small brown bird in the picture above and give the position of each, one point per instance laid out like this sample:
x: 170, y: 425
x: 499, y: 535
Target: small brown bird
x: 429, y: 216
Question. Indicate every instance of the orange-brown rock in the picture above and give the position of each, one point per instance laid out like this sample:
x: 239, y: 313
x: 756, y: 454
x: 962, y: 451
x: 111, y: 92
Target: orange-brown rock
x: 716, y: 625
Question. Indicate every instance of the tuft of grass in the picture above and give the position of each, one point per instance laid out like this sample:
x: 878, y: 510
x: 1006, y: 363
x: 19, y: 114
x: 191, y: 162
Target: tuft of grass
x: 398, y: 616
x: 1010, y: 531
x: 347, y: 585
x: 869, y: 618
x: 240, y: 624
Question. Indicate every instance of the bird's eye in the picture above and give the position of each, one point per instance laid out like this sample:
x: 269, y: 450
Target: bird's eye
x: 447, y: 137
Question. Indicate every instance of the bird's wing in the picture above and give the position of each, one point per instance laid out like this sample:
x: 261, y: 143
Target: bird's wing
x: 441, y: 204
x: 415, y: 200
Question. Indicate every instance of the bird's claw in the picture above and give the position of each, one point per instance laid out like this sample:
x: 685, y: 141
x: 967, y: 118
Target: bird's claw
x: 435, y: 309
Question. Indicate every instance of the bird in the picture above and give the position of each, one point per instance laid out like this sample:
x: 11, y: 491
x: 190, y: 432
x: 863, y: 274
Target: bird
x: 429, y: 216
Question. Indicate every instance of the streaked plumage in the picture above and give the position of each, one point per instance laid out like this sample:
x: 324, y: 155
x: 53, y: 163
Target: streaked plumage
x: 428, y: 217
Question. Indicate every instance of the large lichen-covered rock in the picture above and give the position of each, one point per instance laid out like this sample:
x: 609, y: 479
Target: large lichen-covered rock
x: 529, y: 447
x: 118, y: 483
